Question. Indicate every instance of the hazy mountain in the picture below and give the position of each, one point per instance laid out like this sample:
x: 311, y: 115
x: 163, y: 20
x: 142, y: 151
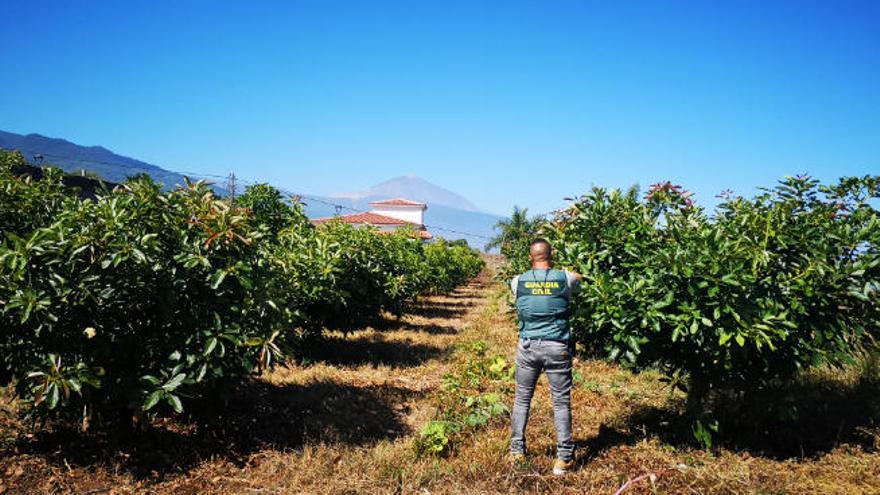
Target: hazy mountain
x: 474, y: 226
x: 73, y: 158
x: 409, y: 187
x: 447, y: 211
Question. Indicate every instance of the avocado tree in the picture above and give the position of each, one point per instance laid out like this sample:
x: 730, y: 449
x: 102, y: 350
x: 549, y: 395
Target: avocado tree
x: 140, y: 300
x: 760, y: 290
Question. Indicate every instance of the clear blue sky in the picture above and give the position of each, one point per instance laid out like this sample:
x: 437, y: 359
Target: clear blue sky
x: 503, y: 102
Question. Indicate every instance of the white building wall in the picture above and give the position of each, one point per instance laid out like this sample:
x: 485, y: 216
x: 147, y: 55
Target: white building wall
x: 414, y: 214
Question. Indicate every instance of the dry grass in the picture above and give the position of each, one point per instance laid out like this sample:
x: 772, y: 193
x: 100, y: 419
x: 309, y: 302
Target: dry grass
x: 345, y: 423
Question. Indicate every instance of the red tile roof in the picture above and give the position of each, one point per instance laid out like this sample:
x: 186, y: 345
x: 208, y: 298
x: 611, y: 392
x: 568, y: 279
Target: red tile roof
x: 376, y: 219
x: 396, y: 202
x: 366, y: 217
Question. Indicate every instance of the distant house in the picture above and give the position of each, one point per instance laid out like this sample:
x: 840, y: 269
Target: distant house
x: 388, y: 216
x: 87, y: 186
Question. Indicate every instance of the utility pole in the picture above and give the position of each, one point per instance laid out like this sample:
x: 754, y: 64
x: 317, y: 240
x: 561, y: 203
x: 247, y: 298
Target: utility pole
x: 230, y: 188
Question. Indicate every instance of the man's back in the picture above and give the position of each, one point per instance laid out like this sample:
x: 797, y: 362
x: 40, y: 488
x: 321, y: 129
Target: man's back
x: 542, y: 302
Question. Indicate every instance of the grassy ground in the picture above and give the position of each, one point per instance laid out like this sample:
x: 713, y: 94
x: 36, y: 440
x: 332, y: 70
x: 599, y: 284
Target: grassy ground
x: 346, y: 421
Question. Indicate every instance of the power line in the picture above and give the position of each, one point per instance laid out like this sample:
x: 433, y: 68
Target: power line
x: 339, y: 207
x: 231, y: 188
x: 232, y: 180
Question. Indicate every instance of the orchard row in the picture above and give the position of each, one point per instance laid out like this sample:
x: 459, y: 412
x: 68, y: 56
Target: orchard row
x: 727, y: 302
x: 141, y: 300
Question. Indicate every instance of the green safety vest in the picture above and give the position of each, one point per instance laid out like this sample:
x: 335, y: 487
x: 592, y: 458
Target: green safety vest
x: 542, y: 297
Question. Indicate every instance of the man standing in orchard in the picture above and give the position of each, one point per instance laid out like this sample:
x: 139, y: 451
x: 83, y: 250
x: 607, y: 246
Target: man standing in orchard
x: 542, y: 297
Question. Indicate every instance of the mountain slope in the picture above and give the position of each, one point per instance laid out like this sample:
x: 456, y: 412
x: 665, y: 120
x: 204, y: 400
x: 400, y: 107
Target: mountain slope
x: 410, y: 187
x: 72, y: 158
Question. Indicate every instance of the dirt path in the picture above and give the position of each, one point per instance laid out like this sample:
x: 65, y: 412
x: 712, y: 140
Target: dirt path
x: 345, y: 422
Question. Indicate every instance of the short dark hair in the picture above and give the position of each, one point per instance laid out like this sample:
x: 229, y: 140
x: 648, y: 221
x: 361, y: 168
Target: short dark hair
x: 539, y: 240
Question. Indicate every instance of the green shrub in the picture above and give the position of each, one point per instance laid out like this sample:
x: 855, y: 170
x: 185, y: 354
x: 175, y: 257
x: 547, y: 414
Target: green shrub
x: 361, y: 274
x: 142, y: 300
x: 762, y: 289
x: 136, y: 299
x: 434, y: 438
x: 29, y: 203
x: 450, y: 265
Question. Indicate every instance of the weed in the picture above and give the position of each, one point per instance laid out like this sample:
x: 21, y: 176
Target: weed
x: 469, y: 398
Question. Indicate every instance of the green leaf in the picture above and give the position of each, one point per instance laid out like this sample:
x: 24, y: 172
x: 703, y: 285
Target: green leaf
x: 152, y: 399
x: 218, y: 278
x: 174, y: 382
x: 201, y: 374
x: 174, y: 402
x: 139, y: 255
x: 666, y: 301
x: 53, y: 396
x: 74, y: 384
x: 152, y: 380
x: 210, y: 344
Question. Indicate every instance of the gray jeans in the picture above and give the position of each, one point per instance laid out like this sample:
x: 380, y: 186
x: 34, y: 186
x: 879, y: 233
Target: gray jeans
x: 553, y: 357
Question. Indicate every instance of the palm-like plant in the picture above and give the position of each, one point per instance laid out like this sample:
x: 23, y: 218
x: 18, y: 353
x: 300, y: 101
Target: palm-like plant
x: 514, y: 235
x: 516, y: 227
